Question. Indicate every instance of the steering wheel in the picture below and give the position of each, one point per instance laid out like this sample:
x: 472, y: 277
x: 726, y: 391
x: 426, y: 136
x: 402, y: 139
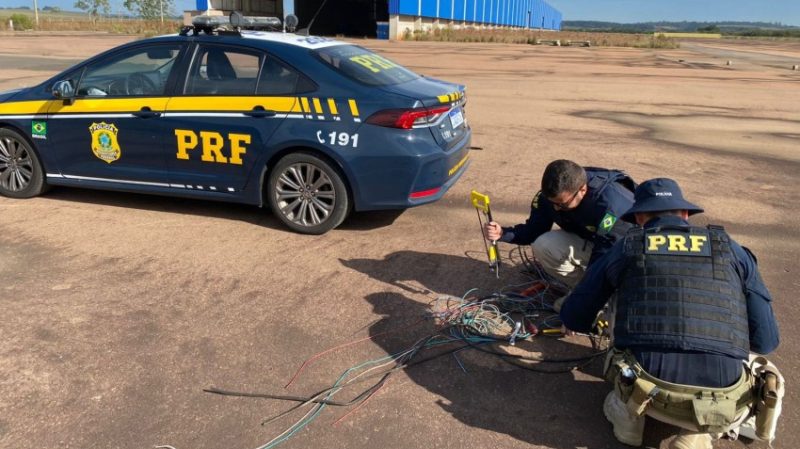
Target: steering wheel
x: 138, y: 84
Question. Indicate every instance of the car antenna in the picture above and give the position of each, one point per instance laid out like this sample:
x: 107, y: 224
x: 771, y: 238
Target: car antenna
x: 305, y: 31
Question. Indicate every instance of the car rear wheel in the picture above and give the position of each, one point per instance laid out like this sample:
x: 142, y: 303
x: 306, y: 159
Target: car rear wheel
x: 21, y: 174
x: 308, y: 194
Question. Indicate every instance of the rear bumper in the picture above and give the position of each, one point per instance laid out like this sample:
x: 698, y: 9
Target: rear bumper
x: 437, y: 193
x: 419, y: 176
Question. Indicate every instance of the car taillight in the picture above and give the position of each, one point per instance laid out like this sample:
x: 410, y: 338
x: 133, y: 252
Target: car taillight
x: 407, y: 118
x: 424, y: 193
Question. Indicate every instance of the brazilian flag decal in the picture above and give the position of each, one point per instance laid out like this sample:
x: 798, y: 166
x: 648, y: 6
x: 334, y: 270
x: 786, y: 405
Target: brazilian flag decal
x: 38, y: 130
x: 607, y: 222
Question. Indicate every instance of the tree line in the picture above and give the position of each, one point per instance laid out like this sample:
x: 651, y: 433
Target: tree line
x: 146, y: 9
x: 775, y: 29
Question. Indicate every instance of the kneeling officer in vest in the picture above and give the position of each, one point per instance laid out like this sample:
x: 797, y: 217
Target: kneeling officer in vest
x: 688, y: 307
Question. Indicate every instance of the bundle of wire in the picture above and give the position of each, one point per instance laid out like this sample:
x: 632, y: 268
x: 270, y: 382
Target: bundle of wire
x: 468, y: 322
x: 486, y: 322
x: 381, y: 368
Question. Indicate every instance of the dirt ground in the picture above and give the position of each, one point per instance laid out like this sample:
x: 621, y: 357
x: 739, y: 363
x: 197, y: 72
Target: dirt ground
x: 118, y: 309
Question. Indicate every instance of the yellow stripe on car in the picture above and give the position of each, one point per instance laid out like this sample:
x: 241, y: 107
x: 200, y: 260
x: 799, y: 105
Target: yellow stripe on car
x: 450, y: 97
x: 195, y: 104
x: 101, y: 105
x: 219, y: 104
x: 24, y: 107
x: 353, y: 107
x: 458, y: 166
x: 332, y: 106
x: 317, y: 106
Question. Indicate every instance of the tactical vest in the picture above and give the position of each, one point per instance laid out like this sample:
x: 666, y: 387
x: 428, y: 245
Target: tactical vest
x: 680, y: 291
x: 601, y: 177
x: 598, y: 180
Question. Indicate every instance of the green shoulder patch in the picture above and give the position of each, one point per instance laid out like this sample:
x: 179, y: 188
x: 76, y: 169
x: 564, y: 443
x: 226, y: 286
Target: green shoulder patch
x: 607, y: 222
x: 535, y: 201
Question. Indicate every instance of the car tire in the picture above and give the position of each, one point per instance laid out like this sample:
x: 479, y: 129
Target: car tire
x: 308, y: 194
x: 21, y: 173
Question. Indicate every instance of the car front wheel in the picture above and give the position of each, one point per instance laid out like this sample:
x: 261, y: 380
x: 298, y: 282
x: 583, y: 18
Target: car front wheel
x: 307, y: 194
x: 21, y: 174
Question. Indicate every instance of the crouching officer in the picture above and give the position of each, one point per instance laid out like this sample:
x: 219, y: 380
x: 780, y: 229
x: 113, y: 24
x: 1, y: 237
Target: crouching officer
x: 688, y: 306
x: 586, y: 203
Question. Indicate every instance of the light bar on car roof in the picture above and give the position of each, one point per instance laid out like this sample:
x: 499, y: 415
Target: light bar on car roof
x: 210, y: 22
x: 233, y: 24
x: 237, y: 20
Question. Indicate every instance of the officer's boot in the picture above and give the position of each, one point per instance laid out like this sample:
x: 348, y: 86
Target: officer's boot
x: 628, y: 428
x: 691, y: 440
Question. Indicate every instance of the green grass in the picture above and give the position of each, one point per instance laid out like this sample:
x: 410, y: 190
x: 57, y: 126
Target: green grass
x: 79, y: 21
x: 45, y: 14
x: 531, y: 37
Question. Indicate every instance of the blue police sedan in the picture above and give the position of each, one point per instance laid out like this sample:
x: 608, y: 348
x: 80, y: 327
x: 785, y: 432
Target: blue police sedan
x: 311, y: 126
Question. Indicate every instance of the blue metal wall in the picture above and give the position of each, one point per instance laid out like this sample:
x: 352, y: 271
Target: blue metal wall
x: 518, y: 13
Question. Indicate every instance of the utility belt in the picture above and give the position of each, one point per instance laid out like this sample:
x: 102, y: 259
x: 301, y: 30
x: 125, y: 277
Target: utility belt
x: 712, y: 410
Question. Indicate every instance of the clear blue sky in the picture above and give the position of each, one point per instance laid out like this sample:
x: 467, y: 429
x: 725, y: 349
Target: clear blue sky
x: 625, y: 11
x: 629, y: 11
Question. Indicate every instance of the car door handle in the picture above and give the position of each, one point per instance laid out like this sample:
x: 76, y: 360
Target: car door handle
x: 259, y: 112
x: 146, y: 112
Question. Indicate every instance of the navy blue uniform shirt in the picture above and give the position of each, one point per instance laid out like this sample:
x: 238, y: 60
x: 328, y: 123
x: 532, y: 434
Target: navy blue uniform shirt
x: 597, y: 218
x: 689, y: 368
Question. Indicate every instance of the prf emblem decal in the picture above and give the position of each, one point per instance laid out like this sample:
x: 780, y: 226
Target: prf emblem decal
x: 678, y: 243
x: 104, y: 141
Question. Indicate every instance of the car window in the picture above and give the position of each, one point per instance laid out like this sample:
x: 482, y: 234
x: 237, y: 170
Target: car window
x: 223, y: 71
x: 278, y: 78
x: 365, y: 66
x: 135, y: 72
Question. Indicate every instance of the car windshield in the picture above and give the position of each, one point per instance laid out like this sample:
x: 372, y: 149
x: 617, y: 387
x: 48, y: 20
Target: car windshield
x: 365, y: 66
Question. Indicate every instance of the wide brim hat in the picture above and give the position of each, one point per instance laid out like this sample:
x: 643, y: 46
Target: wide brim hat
x: 658, y: 195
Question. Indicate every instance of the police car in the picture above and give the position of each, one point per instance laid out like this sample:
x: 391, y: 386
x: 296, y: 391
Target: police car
x: 312, y: 126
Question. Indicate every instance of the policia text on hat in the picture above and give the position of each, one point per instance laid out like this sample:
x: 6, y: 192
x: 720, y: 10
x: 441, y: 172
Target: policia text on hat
x: 688, y: 308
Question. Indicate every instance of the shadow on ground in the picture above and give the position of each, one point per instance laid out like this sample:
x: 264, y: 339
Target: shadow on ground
x: 357, y: 221
x: 485, y: 392
x: 435, y: 273
x: 562, y: 411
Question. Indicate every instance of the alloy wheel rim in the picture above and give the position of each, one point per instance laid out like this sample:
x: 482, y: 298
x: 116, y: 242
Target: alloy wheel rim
x: 16, y: 165
x: 305, y: 194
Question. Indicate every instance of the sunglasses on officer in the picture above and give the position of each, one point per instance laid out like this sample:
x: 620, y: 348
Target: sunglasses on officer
x: 561, y: 203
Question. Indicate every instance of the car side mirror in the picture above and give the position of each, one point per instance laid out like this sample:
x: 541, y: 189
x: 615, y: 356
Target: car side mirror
x: 63, y: 90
